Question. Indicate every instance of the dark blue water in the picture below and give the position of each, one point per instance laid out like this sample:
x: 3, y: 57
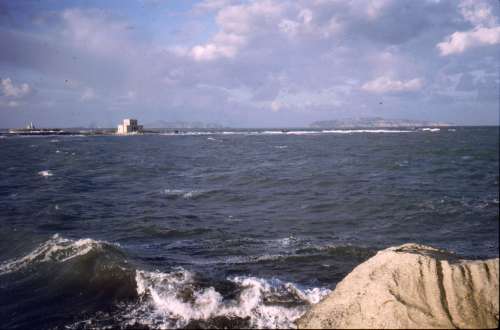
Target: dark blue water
x: 218, y: 230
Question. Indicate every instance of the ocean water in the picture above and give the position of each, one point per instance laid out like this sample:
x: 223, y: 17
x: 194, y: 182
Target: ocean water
x: 226, y: 229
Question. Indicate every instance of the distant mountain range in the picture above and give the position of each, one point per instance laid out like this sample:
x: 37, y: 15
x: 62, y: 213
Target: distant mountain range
x: 373, y: 122
x: 180, y: 124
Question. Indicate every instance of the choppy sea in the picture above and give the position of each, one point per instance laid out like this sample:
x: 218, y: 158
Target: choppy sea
x: 227, y: 229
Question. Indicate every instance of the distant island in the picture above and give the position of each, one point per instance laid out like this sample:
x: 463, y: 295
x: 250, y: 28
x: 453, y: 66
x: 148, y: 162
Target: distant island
x: 371, y: 122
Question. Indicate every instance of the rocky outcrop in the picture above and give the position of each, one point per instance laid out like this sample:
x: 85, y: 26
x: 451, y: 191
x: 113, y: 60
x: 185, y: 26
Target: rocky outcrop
x: 412, y: 286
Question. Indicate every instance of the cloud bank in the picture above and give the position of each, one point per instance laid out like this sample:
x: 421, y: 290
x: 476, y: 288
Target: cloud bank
x: 249, y: 63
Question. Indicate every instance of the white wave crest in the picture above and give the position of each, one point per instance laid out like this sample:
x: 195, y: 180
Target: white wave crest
x: 56, y: 249
x: 351, y: 131
x: 184, y: 193
x: 45, y: 173
x: 286, y: 132
x: 428, y: 129
x: 302, y: 132
x: 172, y: 300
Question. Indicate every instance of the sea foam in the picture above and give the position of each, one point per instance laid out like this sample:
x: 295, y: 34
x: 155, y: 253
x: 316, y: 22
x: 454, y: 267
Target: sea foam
x: 45, y: 173
x: 184, y: 193
x: 285, y: 132
x: 177, y: 298
x: 173, y: 300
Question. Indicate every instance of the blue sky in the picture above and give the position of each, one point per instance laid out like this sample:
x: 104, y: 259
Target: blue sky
x: 253, y: 63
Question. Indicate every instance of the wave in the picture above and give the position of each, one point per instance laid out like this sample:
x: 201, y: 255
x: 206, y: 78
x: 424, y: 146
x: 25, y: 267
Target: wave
x: 289, y: 251
x: 146, y: 231
x: 184, y: 193
x: 56, y: 250
x: 69, y: 277
x: 286, y: 132
x: 114, y: 293
x: 45, y: 173
x: 176, y: 300
x: 428, y: 129
x: 351, y: 131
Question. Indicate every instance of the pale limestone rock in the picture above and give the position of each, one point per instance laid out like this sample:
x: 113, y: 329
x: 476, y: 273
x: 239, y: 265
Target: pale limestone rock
x: 412, y: 286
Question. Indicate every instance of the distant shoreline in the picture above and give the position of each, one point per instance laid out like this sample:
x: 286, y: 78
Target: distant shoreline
x: 228, y: 131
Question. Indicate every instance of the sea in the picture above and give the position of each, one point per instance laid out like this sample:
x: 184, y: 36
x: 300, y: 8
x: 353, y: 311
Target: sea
x: 227, y: 229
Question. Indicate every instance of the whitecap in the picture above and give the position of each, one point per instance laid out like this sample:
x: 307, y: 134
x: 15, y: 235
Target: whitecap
x: 428, y: 129
x: 45, y: 173
x: 172, y: 300
x: 56, y: 249
x: 302, y: 132
x: 351, y: 131
x: 184, y: 193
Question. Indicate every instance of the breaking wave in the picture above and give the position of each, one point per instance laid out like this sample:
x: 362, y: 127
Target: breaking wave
x: 56, y: 250
x: 45, y: 173
x: 350, y: 131
x: 177, y: 300
x: 113, y: 292
x: 292, y: 132
x: 184, y: 193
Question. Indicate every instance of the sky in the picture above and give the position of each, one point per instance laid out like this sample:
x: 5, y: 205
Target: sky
x: 248, y: 63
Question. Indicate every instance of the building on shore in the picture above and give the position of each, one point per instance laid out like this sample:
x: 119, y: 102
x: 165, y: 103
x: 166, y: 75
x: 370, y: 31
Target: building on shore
x: 129, y: 126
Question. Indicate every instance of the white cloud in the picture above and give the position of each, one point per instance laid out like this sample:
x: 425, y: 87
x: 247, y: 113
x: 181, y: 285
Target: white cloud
x: 246, y: 24
x: 248, y: 18
x: 223, y: 45
x: 373, y: 8
x: 305, y: 24
x: 9, y: 89
x: 485, y: 32
x: 478, y: 13
x: 237, y: 23
x: 384, y: 84
x: 458, y: 42
x: 295, y: 57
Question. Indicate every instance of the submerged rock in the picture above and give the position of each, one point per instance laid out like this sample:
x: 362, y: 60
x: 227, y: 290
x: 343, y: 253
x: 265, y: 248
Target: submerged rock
x: 412, y: 286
